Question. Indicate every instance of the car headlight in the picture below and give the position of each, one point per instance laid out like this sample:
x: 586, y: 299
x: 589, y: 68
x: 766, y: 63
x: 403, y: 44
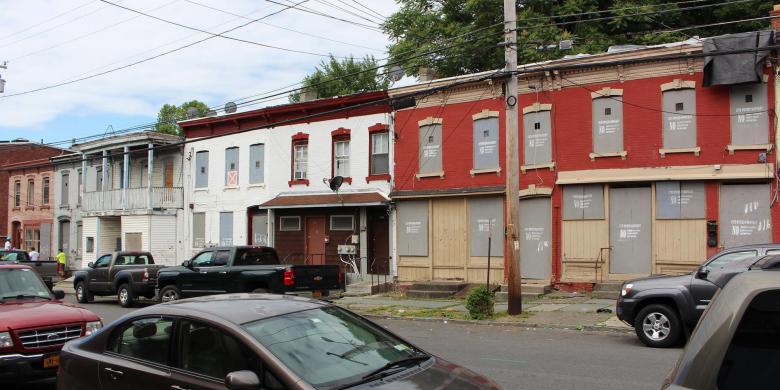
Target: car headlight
x: 626, y: 289
x: 5, y: 340
x: 93, y: 327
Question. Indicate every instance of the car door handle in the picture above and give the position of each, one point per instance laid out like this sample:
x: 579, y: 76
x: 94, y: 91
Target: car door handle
x: 114, y: 374
x: 175, y: 387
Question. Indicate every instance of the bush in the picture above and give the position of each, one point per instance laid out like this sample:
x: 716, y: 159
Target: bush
x: 479, y: 303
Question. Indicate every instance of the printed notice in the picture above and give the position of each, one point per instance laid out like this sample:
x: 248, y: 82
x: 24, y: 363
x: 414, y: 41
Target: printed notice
x: 679, y: 122
x: 487, y: 147
x: 431, y: 151
x: 537, y: 140
x: 750, y: 114
x: 629, y: 231
x: 751, y: 207
x: 746, y: 227
x: 413, y: 227
x: 680, y: 198
x: 582, y: 201
x: 533, y: 233
x: 610, y: 126
x: 486, y: 225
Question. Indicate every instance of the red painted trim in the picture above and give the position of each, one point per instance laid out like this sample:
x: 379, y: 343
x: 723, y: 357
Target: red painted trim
x: 380, y: 177
x: 298, y: 182
x: 299, y: 136
x: 378, y: 128
x: 340, y: 132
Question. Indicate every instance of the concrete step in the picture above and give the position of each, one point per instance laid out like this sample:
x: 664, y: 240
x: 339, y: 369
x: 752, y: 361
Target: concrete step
x: 429, y: 294
x: 452, y: 287
x: 605, y: 294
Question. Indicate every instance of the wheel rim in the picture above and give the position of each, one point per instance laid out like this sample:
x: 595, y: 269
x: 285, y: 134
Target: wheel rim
x: 170, y: 295
x: 123, y: 296
x: 80, y: 292
x: 656, y: 326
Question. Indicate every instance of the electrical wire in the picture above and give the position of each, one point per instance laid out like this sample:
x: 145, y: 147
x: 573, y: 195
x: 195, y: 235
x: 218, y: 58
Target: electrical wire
x: 346, y: 11
x: 53, y: 27
x: 311, y: 11
x: 373, y: 11
x: 46, y: 20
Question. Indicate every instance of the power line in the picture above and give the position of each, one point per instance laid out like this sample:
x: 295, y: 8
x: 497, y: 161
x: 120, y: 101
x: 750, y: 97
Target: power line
x: 46, y: 20
x: 213, y: 34
x: 52, y: 28
x: 346, y: 11
x: 311, y: 11
x: 373, y: 11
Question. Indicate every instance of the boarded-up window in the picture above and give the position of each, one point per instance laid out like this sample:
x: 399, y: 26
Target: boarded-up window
x: 486, y: 219
x: 608, y: 124
x: 256, y: 164
x: 537, y: 138
x: 90, y: 244
x: 679, y: 110
x: 583, y: 202
x: 202, y: 169
x: 744, y: 214
x: 225, y: 228
x: 413, y: 228
x: 749, y: 116
x: 535, y: 227
x: 198, y: 230
x: 430, y: 149
x: 486, y: 143
x: 260, y: 229
x: 680, y: 200
x: 231, y: 166
x: 65, y: 189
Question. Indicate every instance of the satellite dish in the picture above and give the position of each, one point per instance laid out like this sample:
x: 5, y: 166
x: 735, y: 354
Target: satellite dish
x: 230, y: 107
x: 192, y: 112
x: 211, y: 113
x: 396, y: 73
x: 336, y: 182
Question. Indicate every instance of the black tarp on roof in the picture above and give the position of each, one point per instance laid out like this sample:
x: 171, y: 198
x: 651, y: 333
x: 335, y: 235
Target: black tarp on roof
x: 736, y: 68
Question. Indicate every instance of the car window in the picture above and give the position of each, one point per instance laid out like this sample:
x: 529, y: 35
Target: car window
x: 132, y: 260
x: 207, y: 350
x: 103, y: 261
x: 147, y: 339
x: 773, y: 252
x: 11, y: 256
x: 256, y: 256
x: 754, y: 350
x: 21, y: 281
x: 202, y: 259
x: 728, y: 258
x: 221, y: 258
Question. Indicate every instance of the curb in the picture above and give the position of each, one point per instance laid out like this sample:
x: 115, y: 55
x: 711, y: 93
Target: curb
x: 584, y: 328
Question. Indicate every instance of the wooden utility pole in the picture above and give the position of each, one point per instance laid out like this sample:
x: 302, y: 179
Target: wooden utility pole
x: 512, y: 161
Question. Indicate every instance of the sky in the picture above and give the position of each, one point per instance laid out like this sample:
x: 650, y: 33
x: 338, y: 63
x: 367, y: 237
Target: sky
x: 46, y: 42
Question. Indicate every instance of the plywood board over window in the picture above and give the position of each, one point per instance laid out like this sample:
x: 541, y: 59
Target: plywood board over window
x: 749, y: 115
x: 583, y: 202
x: 412, y: 228
x: 537, y: 138
x: 607, y: 121
x: 430, y: 147
x: 202, y: 169
x: 486, y: 141
x: 486, y: 220
x: 680, y: 200
x: 744, y: 214
x: 256, y: 164
x: 679, y: 120
x: 536, y: 237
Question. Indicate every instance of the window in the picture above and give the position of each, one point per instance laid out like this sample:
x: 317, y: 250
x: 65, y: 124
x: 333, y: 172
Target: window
x: 582, y: 202
x: 32, y: 238
x: 289, y: 223
x: 202, y: 169
x: 90, y: 244
x: 607, y: 121
x: 380, y: 154
x: 146, y: 339
x: 537, y: 138
x: 103, y: 261
x: 679, y: 118
x: 430, y: 159
x: 17, y: 193
x: 300, y: 160
x: 231, y: 167
x: 680, y: 200
x: 99, y: 179
x: 30, y: 192
x: 255, y: 256
x: 342, y: 222
x: 256, y: 164
x: 221, y: 258
x: 65, y: 189
x: 728, y: 258
x: 486, y: 220
x: 749, y: 115
x: 45, y: 195
x: 485, y: 147
x: 226, y: 229
x: 208, y: 351
x: 413, y: 228
x: 341, y: 158
x: 133, y: 260
x: 198, y: 230
x: 203, y: 259
x: 773, y: 252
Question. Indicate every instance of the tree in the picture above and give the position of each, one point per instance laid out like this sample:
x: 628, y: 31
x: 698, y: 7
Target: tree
x: 170, y: 114
x: 465, y: 33
x: 348, y: 76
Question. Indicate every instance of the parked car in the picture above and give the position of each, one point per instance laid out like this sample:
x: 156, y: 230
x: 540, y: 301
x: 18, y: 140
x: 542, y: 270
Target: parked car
x: 244, y: 269
x: 736, y: 345
x: 34, y: 324
x: 254, y: 341
x: 129, y: 275
x: 47, y: 269
x: 663, y: 308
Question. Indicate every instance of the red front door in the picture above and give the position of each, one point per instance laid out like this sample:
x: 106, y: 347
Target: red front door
x: 315, y: 240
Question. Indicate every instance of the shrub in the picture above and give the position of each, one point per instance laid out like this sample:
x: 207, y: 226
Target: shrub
x: 479, y: 303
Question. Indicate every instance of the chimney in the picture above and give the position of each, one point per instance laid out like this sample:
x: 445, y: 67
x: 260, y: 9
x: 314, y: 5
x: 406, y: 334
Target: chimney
x: 426, y: 74
x: 775, y: 22
x: 308, y: 95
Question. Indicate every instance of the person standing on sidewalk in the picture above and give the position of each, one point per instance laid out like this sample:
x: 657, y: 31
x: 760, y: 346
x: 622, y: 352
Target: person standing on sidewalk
x: 8, y: 244
x: 62, y: 260
x: 34, y: 256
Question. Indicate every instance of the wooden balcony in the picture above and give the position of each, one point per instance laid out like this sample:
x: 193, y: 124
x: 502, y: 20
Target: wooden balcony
x: 133, y: 199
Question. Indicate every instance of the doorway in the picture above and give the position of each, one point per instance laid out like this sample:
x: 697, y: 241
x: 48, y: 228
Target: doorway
x: 16, y: 234
x: 378, y: 245
x: 630, y: 230
x: 744, y: 214
x: 536, y: 238
x: 168, y: 174
x: 315, y: 240
x: 64, y: 236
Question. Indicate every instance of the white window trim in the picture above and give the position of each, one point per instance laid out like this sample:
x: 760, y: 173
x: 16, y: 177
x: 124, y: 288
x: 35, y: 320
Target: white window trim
x: 281, y: 225
x: 339, y: 158
x: 296, y: 162
x: 351, y: 217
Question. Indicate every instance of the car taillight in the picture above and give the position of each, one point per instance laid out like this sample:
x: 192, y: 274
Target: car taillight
x: 145, y: 276
x: 289, y: 277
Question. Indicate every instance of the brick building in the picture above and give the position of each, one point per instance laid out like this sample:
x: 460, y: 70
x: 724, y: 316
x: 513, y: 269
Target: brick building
x: 31, y: 207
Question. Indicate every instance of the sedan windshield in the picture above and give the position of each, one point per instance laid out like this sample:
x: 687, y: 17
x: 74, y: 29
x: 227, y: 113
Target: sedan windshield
x: 21, y: 283
x: 329, y: 347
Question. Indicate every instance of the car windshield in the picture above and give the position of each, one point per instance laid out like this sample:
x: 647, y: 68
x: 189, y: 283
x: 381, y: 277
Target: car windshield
x: 13, y: 256
x: 21, y: 283
x: 328, y: 347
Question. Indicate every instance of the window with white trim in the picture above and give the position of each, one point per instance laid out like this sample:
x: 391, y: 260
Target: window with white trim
x: 300, y: 161
x: 30, y: 192
x: 380, y: 153
x: 289, y: 224
x: 342, y: 222
x: 17, y: 193
x: 341, y: 158
x: 45, y: 189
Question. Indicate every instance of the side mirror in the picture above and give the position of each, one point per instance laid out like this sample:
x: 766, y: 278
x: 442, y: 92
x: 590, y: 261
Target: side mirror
x: 186, y: 263
x: 59, y: 294
x: 91, y: 265
x: 702, y: 272
x: 242, y: 380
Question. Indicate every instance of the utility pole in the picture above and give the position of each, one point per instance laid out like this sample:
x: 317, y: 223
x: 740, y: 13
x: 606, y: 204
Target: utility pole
x: 512, y: 161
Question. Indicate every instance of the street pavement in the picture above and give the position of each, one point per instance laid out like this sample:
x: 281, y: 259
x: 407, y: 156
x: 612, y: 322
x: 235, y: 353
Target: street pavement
x: 516, y: 357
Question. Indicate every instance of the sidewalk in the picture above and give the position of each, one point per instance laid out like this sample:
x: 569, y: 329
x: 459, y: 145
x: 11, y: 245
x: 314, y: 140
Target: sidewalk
x: 556, y: 310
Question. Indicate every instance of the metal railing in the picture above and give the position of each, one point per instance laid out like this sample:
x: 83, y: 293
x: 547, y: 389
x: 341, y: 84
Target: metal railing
x: 133, y: 199
x: 598, y: 265
x: 380, y: 272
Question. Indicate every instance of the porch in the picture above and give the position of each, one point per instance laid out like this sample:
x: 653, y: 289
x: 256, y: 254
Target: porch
x: 134, y: 199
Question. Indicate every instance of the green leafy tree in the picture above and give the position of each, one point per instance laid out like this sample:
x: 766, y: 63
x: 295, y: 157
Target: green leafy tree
x: 170, y: 114
x: 466, y: 33
x: 348, y: 76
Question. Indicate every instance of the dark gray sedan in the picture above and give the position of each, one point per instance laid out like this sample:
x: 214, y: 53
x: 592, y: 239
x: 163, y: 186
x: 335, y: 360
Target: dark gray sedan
x: 253, y: 341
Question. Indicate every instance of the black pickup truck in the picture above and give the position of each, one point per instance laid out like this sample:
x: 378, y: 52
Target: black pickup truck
x: 663, y: 308
x: 244, y: 269
x: 46, y: 269
x: 129, y: 275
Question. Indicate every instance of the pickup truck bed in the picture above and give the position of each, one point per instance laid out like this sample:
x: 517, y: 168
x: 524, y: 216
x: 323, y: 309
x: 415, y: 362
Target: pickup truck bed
x: 46, y: 269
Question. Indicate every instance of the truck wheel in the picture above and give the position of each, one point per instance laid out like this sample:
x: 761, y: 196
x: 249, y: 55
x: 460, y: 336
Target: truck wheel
x: 169, y: 293
x: 125, y: 296
x: 658, y: 326
x: 82, y: 293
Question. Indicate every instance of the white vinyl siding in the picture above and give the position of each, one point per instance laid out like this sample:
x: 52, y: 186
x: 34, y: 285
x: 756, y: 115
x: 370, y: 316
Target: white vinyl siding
x: 163, y: 239
x: 136, y: 224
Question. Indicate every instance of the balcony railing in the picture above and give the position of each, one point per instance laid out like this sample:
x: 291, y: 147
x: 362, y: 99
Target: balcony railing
x: 134, y: 199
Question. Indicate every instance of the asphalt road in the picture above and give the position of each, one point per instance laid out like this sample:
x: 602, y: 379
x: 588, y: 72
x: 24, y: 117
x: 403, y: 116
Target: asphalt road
x: 519, y: 358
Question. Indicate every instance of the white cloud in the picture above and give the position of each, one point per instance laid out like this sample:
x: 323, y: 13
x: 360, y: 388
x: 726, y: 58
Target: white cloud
x: 214, y: 71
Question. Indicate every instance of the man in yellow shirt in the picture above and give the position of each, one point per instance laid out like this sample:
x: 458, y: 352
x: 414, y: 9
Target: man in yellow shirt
x: 62, y: 259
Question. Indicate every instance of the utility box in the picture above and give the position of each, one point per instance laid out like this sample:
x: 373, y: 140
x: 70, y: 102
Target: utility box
x: 347, y: 250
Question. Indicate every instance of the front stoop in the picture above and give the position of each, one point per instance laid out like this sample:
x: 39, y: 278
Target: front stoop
x: 435, y: 289
x: 528, y: 291
x: 607, y: 290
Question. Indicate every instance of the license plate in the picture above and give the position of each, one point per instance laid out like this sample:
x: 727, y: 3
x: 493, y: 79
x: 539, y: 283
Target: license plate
x: 51, y: 361
x: 316, y: 294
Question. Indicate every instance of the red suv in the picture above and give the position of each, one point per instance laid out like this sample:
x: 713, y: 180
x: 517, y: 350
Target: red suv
x: 34, y: 324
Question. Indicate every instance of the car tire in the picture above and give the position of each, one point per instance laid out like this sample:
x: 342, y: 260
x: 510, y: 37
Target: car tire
x: 658, y: 326
x: 82, y: 293
x: 125, y: 296
x: 170, y: 293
